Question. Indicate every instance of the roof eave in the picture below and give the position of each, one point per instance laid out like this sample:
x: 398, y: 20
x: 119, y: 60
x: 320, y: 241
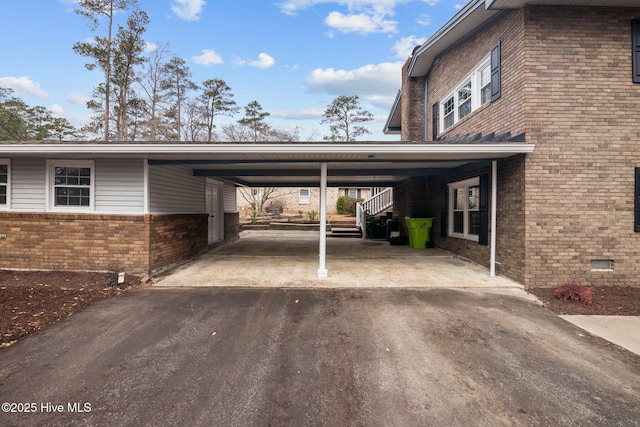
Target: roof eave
x: 393, y: 126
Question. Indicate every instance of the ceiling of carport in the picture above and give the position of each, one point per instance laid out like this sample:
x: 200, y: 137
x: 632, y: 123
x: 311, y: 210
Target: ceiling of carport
x: 363, y: 164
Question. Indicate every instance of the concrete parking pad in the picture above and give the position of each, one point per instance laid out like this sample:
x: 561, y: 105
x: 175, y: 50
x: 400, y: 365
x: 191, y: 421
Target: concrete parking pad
x: 290, y: 259
x: 620, y: 330
x: 298, y: 357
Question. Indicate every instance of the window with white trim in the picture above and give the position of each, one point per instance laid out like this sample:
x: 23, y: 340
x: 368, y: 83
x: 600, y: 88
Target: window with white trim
x: 71, y: 185
x: 5, y: 180
x: 304, y: 196
x: 353, y: 192
x: 467, y: 96
x: 464, y: 214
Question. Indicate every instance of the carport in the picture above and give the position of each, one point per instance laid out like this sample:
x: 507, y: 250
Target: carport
x: 346, y: 165
x: 295, y: 164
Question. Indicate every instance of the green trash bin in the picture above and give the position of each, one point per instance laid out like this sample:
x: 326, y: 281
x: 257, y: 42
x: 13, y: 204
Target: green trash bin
x: 419, y: 231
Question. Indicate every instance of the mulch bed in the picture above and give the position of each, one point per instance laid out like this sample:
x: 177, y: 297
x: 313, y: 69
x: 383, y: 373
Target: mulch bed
x: 606, y: 300
x: 33, y: 300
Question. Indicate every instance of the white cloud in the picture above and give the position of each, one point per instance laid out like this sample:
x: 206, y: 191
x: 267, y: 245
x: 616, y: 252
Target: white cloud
x: 299, y: 114
x: 404, y: 47
x: 56, y: 109
x: 375, y: 83
x: 23, y: 85
x: 78, y: 99
x: 364, y: 16
x: 188, y: 9
x: 360, y: 23
x: 424, y: 20
x: 207, y: 57
x: 150, y: 47
x: 263, y: 61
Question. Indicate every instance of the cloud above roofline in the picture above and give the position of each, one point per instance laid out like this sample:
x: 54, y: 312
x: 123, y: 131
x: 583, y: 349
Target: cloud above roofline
x: 207, y: 57
x: 377, y: 84
x: 23, y: 85
x: 188, y: 10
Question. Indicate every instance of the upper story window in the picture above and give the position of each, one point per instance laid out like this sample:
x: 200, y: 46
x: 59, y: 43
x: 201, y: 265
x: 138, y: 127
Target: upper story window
x: 71, y: 185
x: 468, y: 95
x: 4, y: 184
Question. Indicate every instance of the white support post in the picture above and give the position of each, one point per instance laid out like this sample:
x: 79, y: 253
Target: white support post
x: 322, y: 270
x: 494, y: 204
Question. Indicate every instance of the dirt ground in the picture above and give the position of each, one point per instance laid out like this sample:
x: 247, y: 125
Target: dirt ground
x: 31, y: 300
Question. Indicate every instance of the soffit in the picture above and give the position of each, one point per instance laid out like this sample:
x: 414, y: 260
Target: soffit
x: 257, y: 165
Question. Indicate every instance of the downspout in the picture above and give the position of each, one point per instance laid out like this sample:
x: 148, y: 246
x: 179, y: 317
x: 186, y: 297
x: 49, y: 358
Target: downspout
x: 426, y: 109
x: 494, y: 204
x: 322, y: 270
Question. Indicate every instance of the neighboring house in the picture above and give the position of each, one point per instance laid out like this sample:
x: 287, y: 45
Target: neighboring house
x: 562, y: 77
x: 299, y: 200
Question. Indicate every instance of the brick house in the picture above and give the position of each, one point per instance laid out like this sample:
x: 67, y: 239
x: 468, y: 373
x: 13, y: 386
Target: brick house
x: 298, y: 200
x: 143, y: 207
x: 564, y: 76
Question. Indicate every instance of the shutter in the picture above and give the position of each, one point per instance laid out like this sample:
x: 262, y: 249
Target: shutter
x: 496, y: 73
x: 483, y: 236
x: 444, y: 211
x: 635, y: 33
x: 636, y: 223
x: 434, y: 121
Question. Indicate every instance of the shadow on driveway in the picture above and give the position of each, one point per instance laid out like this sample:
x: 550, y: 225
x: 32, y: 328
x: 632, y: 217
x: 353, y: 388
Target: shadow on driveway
x: 293, y: 357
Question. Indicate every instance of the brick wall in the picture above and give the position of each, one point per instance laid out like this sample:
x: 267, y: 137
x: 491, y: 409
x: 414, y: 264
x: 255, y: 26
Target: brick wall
x: 135, y: 244
x: 412, y: 105
x: 74, y: 242
x: 507, y: 113
x: 582, y: 114
x: 231, y: 226
x: 175, y: 238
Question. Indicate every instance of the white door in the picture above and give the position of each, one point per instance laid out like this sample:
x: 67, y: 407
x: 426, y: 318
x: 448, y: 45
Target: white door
x: 213, y: 207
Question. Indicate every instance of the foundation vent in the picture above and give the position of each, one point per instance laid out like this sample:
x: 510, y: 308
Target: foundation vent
x: 601, y: 265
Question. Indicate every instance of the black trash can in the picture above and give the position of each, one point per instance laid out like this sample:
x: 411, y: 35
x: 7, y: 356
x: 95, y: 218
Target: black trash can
x: 392, y: 225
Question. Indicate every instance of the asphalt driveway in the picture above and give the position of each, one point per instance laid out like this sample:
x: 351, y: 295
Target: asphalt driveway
x: 297, y: 357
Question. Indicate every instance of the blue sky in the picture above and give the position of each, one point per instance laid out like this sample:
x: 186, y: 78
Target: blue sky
x: 292, y: 56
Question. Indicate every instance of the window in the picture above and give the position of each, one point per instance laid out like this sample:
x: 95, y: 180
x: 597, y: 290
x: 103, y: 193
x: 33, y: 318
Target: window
x: 468, y: 95
x: 4, y: 184
x: 353, y: 192
x: 485, y: 85
x: 304, y: 196
x: 464, y: 216
x: 71, y: 185
x: 480, y: 86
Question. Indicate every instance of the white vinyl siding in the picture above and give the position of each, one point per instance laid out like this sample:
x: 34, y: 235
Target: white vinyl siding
x: 174, y: 189
x: 119, y: 186
x: 230, y: 198
x: 28, y: 189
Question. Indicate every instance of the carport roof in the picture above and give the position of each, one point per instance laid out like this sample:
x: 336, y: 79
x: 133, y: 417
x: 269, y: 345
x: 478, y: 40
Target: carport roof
x: 290, y: 164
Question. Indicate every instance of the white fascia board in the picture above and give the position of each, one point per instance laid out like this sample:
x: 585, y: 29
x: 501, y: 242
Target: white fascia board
x: 154, y: 151
x: 442, y: 33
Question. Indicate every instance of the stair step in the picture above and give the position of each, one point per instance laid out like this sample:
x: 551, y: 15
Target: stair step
x: 346, y: 232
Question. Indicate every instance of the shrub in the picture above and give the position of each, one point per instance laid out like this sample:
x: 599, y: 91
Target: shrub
x: 346, y: 205
x: 574, y: 291
x: 313, y: 215
x: 276, y: 206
